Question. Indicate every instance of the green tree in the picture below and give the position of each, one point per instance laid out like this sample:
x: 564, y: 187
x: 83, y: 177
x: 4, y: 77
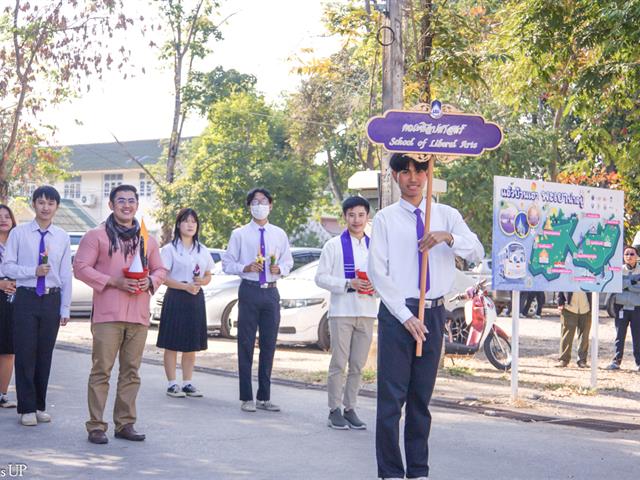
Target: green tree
x: 245, y: 145
x: 47, y: 53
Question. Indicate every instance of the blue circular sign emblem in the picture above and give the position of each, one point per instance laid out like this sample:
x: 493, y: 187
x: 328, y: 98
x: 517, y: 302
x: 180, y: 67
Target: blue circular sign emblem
x: 436, y: 109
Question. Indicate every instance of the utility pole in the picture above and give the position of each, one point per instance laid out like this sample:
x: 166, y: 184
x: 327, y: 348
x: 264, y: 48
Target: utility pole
x: 392, y: 77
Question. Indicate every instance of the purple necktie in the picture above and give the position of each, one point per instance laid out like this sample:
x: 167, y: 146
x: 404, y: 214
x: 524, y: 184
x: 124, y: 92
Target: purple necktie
x: 40, y: 281
x: 263, y: 273
x: 420, y: 234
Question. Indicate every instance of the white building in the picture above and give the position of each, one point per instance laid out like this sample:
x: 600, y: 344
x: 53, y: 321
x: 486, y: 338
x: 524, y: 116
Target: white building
x: 96, y: 168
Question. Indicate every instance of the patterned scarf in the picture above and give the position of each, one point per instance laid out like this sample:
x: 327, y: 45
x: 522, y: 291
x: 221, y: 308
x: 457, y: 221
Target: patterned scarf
x: 125, y: 238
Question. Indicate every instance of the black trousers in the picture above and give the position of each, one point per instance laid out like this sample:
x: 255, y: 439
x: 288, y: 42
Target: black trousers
x: 529, y: 296
x: 36, y: 324
x: 403, y: 379
x: 629, y: 318
x: 258, y: 308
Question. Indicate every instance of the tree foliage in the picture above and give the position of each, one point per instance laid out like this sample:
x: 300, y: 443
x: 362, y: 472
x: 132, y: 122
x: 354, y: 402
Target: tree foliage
x: 48, y: 51
x: 245, y: 145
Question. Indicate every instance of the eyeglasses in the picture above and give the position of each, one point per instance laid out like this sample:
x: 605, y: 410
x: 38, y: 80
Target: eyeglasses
x: 126, y: 201
x: 259, y: 202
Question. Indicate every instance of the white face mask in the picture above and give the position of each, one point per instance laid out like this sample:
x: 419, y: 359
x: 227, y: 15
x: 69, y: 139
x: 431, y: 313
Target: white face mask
x: 260, y: 212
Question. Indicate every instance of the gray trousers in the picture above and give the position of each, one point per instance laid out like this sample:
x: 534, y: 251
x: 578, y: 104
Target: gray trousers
x: 350, y: 343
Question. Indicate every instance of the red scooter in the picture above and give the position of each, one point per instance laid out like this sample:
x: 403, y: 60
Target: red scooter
x: 465, y: 336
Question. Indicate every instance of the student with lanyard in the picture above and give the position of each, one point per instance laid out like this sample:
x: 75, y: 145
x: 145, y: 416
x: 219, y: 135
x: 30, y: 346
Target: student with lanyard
x: 259, y: 253
x: 7, y: 295
x: 352, y: 312
x: 395, y: 262
x: 120, y: 316
x: 183, y: 320
x: 38, y: 257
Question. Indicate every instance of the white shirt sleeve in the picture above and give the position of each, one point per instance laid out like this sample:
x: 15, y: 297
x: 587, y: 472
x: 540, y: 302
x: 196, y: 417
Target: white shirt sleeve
x: 378, y: 271
x: 324, y: 277
x: 231, y: 257
x: 11, y: 267
x: 285, y: 260
x: 166, y: 254
x: 465, y: 242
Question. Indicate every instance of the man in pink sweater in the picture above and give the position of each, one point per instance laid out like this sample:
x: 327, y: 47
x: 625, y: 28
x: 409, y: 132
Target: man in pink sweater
x: 120, y: 318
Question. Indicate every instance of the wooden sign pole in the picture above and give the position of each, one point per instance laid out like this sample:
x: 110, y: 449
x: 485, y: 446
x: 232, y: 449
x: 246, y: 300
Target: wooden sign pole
x: 425, y: 254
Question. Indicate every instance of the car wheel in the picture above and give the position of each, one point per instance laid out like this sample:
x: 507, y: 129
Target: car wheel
x: 227, y: 329
x: 324, y: 337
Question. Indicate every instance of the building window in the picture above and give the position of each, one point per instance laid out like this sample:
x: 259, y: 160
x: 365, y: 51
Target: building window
x: 26, y: 190
x: 72, y: 187
x: 145, y: 185
x: 111, y: 180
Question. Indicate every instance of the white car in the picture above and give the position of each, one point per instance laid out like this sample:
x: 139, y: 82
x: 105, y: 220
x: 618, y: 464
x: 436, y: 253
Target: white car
x: 304, y: 307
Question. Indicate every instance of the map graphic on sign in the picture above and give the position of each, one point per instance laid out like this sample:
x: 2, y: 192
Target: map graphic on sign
x: 556, y: 237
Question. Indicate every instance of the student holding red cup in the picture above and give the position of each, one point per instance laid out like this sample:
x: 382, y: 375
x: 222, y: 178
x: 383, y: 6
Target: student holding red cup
x: 352, y: 312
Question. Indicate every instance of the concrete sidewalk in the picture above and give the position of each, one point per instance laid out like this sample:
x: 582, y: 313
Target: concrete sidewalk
x: 211, y: 438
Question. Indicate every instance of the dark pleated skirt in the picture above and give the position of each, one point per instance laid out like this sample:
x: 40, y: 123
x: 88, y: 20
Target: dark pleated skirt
x: 6, y: 325
x: 183, y: 322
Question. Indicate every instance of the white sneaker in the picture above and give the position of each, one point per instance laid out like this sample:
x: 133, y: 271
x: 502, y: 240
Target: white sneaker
x: 248, y: 406
x: 28, y: 419
x: 43, y: 417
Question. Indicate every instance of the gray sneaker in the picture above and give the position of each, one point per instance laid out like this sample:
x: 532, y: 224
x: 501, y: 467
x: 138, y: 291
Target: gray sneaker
x: 336, y: 420
x: 353, y: 420
x: 613, y: 366
x: 6, y: 403
x: 267, y: 405
x: 248, y: 406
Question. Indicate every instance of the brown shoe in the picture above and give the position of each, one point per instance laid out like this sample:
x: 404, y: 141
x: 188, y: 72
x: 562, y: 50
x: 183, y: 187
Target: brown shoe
x: 582, y: 364
x: 98, y: 437
x: 128, y: 433
x: 562, y: 364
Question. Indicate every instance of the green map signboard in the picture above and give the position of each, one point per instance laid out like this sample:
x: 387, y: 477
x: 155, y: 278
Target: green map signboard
x: 556, y: 237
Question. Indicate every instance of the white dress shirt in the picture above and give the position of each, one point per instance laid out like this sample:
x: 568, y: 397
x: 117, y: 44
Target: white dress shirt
x: 244, y: 247
x: 393, y: 253
x: 181, y: 262
x: 22, y: 254
x: 330, y: 276
x: 2, y: 275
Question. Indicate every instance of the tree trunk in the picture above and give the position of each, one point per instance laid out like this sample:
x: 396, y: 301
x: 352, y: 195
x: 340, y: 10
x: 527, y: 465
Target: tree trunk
x: 556, y: 159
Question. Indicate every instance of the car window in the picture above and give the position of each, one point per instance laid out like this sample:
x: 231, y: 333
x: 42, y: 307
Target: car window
x: 216, y: 256
x: 299, y: 260
x: 75, y: 239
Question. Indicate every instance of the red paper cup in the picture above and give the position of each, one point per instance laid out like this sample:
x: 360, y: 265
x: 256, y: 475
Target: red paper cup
x: 136, y: 276
x: 363, y: 276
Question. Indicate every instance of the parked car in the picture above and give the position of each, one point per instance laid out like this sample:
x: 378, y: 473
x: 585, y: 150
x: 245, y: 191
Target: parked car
x: 221, y: 295
x: 81, y: 293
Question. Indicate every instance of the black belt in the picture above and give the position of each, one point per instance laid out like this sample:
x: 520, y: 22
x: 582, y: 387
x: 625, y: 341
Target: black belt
x: 428, y: 303
x: 47, y: 290
x: 253, y: 283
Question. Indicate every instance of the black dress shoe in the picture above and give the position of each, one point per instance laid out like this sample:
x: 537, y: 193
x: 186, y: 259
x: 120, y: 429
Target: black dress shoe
x: 128, y: 433
x: 98, y: 437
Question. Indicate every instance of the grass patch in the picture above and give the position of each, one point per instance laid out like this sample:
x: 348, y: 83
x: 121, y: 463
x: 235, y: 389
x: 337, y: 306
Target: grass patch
x: 574, y: 389
x: 369, y: 375
x: 460, y: 371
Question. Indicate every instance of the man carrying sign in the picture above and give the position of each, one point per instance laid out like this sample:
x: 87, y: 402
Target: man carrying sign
x: 397, y: 240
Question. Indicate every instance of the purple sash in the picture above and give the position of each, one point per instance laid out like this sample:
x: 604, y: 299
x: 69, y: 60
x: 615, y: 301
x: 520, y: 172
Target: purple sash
x: 347, y: 254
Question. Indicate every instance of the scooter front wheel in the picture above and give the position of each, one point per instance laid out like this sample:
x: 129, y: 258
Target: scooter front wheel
x: 498, y: 351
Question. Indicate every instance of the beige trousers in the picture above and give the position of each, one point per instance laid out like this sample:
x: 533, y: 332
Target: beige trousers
x: 111, y: 339
x: 350, y: 343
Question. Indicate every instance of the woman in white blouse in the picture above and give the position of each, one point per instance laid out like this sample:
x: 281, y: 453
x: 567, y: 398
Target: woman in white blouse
x: 183, y: 321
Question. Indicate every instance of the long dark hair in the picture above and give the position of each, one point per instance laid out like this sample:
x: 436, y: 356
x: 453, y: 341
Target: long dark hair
x: 181, y: 217
x: 13, y: 219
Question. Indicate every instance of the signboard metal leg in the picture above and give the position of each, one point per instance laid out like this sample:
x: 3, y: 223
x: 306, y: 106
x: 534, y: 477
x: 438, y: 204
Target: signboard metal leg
x: 595, y: 318
x: 515, y: 342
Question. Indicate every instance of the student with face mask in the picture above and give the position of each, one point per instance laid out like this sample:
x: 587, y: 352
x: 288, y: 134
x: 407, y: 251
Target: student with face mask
x: 259, y: 253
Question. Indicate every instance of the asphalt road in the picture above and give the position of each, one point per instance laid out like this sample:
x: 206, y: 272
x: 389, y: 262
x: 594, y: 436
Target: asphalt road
x: 211, y: 438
